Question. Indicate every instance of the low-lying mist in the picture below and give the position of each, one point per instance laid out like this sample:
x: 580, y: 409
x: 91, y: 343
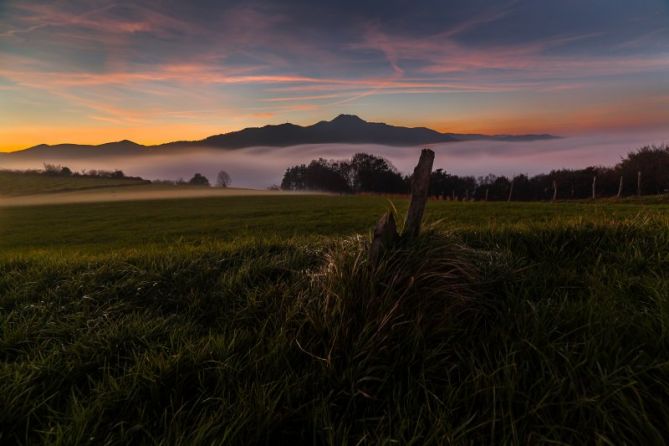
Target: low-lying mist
x: 260, y: 167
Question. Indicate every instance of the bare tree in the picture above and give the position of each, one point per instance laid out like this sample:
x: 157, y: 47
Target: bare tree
x: 223, y: 179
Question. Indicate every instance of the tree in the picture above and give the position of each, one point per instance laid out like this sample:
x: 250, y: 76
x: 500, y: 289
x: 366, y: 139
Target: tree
x: 56, y: 170
x: 199, y: 180
x: 223, y: 179
x: 369, y: 173
x: 653, y: 163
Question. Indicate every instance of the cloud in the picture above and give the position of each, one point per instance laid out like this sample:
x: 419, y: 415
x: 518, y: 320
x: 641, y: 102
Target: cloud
x: 154, y: 62
x: 259, y: 167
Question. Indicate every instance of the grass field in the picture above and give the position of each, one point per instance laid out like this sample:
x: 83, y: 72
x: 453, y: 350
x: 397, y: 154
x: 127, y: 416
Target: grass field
x: 21, y: 183
x: 257, y: 320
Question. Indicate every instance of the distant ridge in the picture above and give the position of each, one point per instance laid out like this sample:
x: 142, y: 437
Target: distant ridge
x: 348, y: 129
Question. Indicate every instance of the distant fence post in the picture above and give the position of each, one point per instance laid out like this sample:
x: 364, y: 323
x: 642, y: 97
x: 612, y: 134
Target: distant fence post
x: 554, y: 190
x: 620, y: 187
x: 638, y: 183
x: 420, y: 186
x: 486, y: 194
x: 594, y: 187
x: 510, y: 191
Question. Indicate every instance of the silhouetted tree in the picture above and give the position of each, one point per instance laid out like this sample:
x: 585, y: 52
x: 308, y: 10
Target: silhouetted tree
x: 199, y: 180
x: 363, y: 173
x: 369, y: 173
x: 653, y: 163
x: 223, y: 179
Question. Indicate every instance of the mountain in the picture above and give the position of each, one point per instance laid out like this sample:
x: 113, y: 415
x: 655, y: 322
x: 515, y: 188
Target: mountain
x: 347, y: 129
x: 342, y: 129
x: 118, y: 148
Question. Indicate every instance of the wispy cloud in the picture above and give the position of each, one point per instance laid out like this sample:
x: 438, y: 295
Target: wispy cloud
x: 112, y: 62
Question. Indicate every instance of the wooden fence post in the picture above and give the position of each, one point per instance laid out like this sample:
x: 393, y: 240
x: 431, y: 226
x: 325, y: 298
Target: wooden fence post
x: 510, y: 191
x: 620, y: 187
x: 486, y: 194
x: 385, y: 235
x: 638, y: 183
x: 594, y: 187
x: 554, y: 190
x: 420, y: 186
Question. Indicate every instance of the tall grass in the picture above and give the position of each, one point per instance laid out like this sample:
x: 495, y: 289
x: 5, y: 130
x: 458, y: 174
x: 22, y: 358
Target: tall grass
x: 552, y: 333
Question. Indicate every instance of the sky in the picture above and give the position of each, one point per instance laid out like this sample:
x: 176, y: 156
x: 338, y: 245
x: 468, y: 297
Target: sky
x: 161, y: 70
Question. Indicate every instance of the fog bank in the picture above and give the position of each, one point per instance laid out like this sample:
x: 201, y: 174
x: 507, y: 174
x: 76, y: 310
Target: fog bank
x: 260, y: 167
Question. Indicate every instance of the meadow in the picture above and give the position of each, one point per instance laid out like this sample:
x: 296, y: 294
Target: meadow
x: 25, y: 183
x: 258, y: 320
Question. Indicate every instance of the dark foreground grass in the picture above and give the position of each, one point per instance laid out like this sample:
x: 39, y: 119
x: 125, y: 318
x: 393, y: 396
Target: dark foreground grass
x: 528, y: 334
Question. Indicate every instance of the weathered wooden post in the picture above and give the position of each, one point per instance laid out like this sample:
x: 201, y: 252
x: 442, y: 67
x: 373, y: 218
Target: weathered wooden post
x: 594, y: 187
x: 420, y: 186
x: 385, y: 232
x: 385, y: 235
x: 620, y: 188
x: 486, y: 194
x: 510, y: 191
x: 638, y: 183
x: 554, y: 190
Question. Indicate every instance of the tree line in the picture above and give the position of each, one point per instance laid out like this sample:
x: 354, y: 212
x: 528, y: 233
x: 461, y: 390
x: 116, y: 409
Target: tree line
x: 56, y: 170
x: 642, y: 172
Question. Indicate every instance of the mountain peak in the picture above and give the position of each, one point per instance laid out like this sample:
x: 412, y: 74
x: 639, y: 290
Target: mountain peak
x: 351, y: 119
x: 124, y: 142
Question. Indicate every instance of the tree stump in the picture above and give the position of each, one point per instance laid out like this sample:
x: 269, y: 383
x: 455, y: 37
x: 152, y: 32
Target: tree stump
x: 420, y: 186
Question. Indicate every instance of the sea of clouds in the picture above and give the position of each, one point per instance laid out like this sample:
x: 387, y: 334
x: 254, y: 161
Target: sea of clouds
x: 260, y: 167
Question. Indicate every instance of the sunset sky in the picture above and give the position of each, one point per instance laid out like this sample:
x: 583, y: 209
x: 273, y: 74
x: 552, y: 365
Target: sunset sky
x: 160, y: 70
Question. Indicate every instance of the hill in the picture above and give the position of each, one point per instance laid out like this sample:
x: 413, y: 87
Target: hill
x: 28, y: 183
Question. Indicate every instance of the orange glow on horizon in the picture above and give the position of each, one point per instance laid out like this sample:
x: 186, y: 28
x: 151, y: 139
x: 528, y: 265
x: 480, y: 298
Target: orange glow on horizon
x: 582, y: 121
x: 19, y: 138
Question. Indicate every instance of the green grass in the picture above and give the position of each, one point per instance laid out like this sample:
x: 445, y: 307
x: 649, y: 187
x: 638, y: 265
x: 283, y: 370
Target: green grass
x: 20, y: 183
x: 257, y: 320
x: 116, y: 225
